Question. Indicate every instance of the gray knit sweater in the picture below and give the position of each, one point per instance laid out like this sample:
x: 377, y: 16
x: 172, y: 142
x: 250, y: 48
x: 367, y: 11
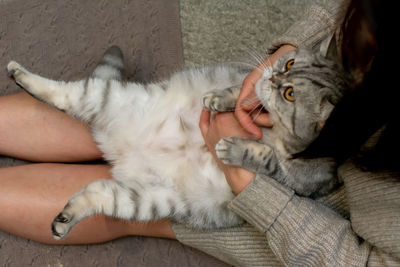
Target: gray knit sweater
x: 357, y: 225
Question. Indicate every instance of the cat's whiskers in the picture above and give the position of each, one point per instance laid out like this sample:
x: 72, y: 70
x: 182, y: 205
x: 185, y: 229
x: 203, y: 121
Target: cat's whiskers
x: 248, y: 102
x: 254, y: 109
x: 259, y: 59
x: 251, y: 65
x: 258, y: 62
x: 258, y: 113
x: 263, y: 60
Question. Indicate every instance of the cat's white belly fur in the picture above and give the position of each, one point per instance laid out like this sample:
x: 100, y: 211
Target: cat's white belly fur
x: 162, y: 143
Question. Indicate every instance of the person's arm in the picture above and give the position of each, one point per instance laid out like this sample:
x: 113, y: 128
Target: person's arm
x: 300, y: 231
x: 318, y: 22
x: 288, y: 229
x: 297, y: 230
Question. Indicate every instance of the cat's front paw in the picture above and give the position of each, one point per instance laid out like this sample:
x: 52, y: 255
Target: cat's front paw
x: 61, y: 225
x: 221, y: 100
x: 246, y: 153
x: 213, y: 102
x: 230, y: 151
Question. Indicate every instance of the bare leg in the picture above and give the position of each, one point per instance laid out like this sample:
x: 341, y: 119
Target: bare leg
x: 34, y: 131
x: 32, y: 195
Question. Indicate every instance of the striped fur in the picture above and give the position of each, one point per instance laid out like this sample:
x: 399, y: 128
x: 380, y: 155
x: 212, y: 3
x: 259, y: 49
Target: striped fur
x: 149, y: 133
x: 111, y: 66
x: 318, y: 84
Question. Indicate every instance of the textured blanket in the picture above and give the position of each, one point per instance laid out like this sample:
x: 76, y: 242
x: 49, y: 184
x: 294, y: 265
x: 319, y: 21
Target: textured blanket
x: 64, y: 40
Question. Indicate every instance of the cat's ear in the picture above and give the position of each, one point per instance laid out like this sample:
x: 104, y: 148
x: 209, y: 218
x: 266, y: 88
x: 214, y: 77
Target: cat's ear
x: 328, y: 48
x: 326, y: 109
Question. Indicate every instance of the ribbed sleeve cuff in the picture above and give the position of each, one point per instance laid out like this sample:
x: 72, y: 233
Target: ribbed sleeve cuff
x: 315, y: 26
x: 251, y: 205
x: 238, y: 246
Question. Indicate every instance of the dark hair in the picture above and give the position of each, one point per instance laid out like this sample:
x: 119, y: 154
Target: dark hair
x: 367, y: 53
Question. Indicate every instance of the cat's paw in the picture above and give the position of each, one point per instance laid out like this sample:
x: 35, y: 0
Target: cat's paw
x: 213, y: 102
x: 220, y: 100
x: 230, y: 151
x: 243, y: 152
x: 16, y: 71
x: 61, y: 225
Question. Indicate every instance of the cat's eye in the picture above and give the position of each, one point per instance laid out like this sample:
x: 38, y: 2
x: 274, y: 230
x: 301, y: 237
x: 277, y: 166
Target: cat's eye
x: 289, y: 94
x: 289, y: 64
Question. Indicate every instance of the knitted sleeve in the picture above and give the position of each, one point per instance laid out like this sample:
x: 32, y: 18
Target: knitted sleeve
x: 301, y: 231
x: 316, y: 24
x: 285, y: 229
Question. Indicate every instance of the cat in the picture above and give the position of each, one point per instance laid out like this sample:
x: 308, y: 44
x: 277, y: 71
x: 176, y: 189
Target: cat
x: 299, y: 93
x: 149, y: 133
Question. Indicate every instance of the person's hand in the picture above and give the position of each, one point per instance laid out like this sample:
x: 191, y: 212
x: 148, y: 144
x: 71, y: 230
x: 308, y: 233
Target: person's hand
x: 242, y: 123
x: 215, y: 127
x: 247, y: 100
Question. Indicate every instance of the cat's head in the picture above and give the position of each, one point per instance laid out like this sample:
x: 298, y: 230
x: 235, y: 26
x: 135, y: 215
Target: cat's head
x: 300, y: 92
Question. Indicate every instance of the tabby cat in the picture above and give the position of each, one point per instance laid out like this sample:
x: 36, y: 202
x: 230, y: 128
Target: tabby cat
x: 149, y: 133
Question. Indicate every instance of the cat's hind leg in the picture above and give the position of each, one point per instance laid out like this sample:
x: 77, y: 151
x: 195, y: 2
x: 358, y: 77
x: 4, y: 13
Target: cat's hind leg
x: 73, y: 97
x: 26, y: 79
x: 58, y: 94
x: 101, y: 196
x: 115, y: 199
x: 83, y: 99
x: 111, y: 66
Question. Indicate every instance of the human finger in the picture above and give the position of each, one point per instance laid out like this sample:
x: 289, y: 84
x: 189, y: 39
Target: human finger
x: 243, y: 107
x: 204, y: 122
x: 262, y: 119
